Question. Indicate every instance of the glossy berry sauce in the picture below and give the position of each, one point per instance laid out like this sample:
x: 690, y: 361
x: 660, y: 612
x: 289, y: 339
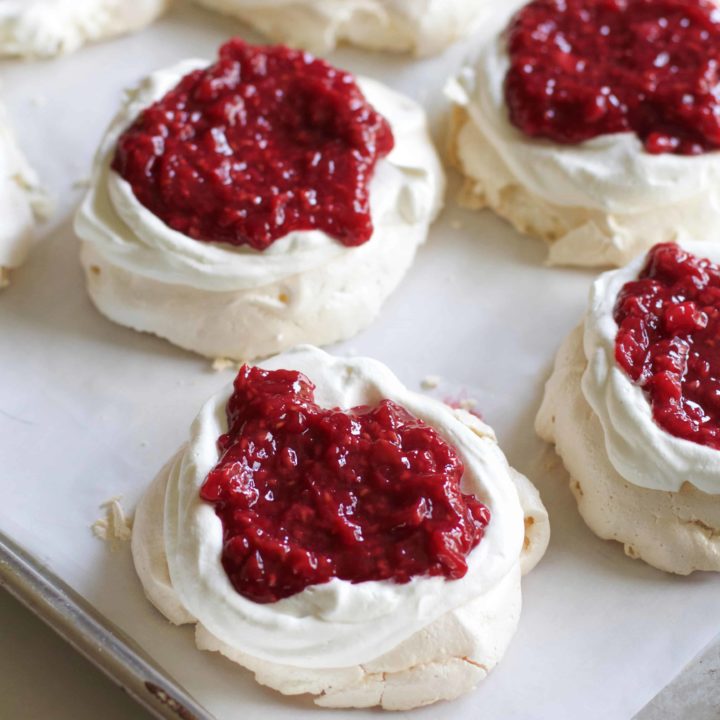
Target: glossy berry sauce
x: 265, y: 141
x: 583, y: 68
x: 668, y: 341
x: 306, y: 494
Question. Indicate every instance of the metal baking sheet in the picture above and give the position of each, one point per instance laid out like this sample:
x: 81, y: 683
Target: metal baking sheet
x: 93, y: 636
x: 89, y: 410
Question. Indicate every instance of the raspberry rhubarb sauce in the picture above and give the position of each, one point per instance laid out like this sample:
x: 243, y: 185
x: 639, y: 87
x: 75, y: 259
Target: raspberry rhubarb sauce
x: 584, y: 68
x: 668, y: 341
x: 306, y: 494
x: 264, y: 142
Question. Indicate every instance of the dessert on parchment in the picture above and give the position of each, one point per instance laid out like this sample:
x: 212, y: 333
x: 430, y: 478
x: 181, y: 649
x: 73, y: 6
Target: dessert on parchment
x: 633, y: 408
x: 241, y: 207
x: 45, y: 28
x: 423, y: 27
x: 340, y: 536
x: 595, y: 126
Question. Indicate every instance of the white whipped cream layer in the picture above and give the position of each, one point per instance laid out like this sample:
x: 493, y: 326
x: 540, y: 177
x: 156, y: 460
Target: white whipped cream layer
x: 422, y: 26
x: 406, y: 189
x: 336, y: 624
x: 44, y: 28
x: 22, y: 202
x: 633, y: 197
x: 638, y: 448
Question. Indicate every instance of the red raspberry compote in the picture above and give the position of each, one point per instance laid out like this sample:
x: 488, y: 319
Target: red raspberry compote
x: 668, y: 341
x: 307, y: 494
x: 584, y: 68
x: 265, y: 141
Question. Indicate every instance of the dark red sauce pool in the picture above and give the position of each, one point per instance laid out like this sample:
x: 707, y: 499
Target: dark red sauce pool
x: 668, y: 341
x: 265, y: 141
x: 583, y: 68
x: 307, y: 494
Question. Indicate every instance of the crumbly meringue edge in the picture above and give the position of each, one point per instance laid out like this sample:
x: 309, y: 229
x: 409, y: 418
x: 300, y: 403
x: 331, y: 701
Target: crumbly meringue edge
x: 23, y: 203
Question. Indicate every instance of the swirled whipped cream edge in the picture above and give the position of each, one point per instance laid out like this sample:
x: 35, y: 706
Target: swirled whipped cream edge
x: 406, y: 190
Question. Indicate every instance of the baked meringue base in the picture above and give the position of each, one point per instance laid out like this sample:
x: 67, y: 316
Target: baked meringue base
x: 424, y: 28
x: 326, y: 304
x: 577, y: 236
x: 678, y: 532
x: 440, y: 662
x: 46, y: 28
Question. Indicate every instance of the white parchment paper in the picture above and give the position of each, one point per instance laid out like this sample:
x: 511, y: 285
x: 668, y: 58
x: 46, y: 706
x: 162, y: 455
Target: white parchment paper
x: 89, y: 410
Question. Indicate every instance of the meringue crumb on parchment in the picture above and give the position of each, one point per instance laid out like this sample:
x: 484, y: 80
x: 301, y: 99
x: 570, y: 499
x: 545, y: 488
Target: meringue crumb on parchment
x: 219, y: 364
x: 430, y: 382
x: 115, y: 527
